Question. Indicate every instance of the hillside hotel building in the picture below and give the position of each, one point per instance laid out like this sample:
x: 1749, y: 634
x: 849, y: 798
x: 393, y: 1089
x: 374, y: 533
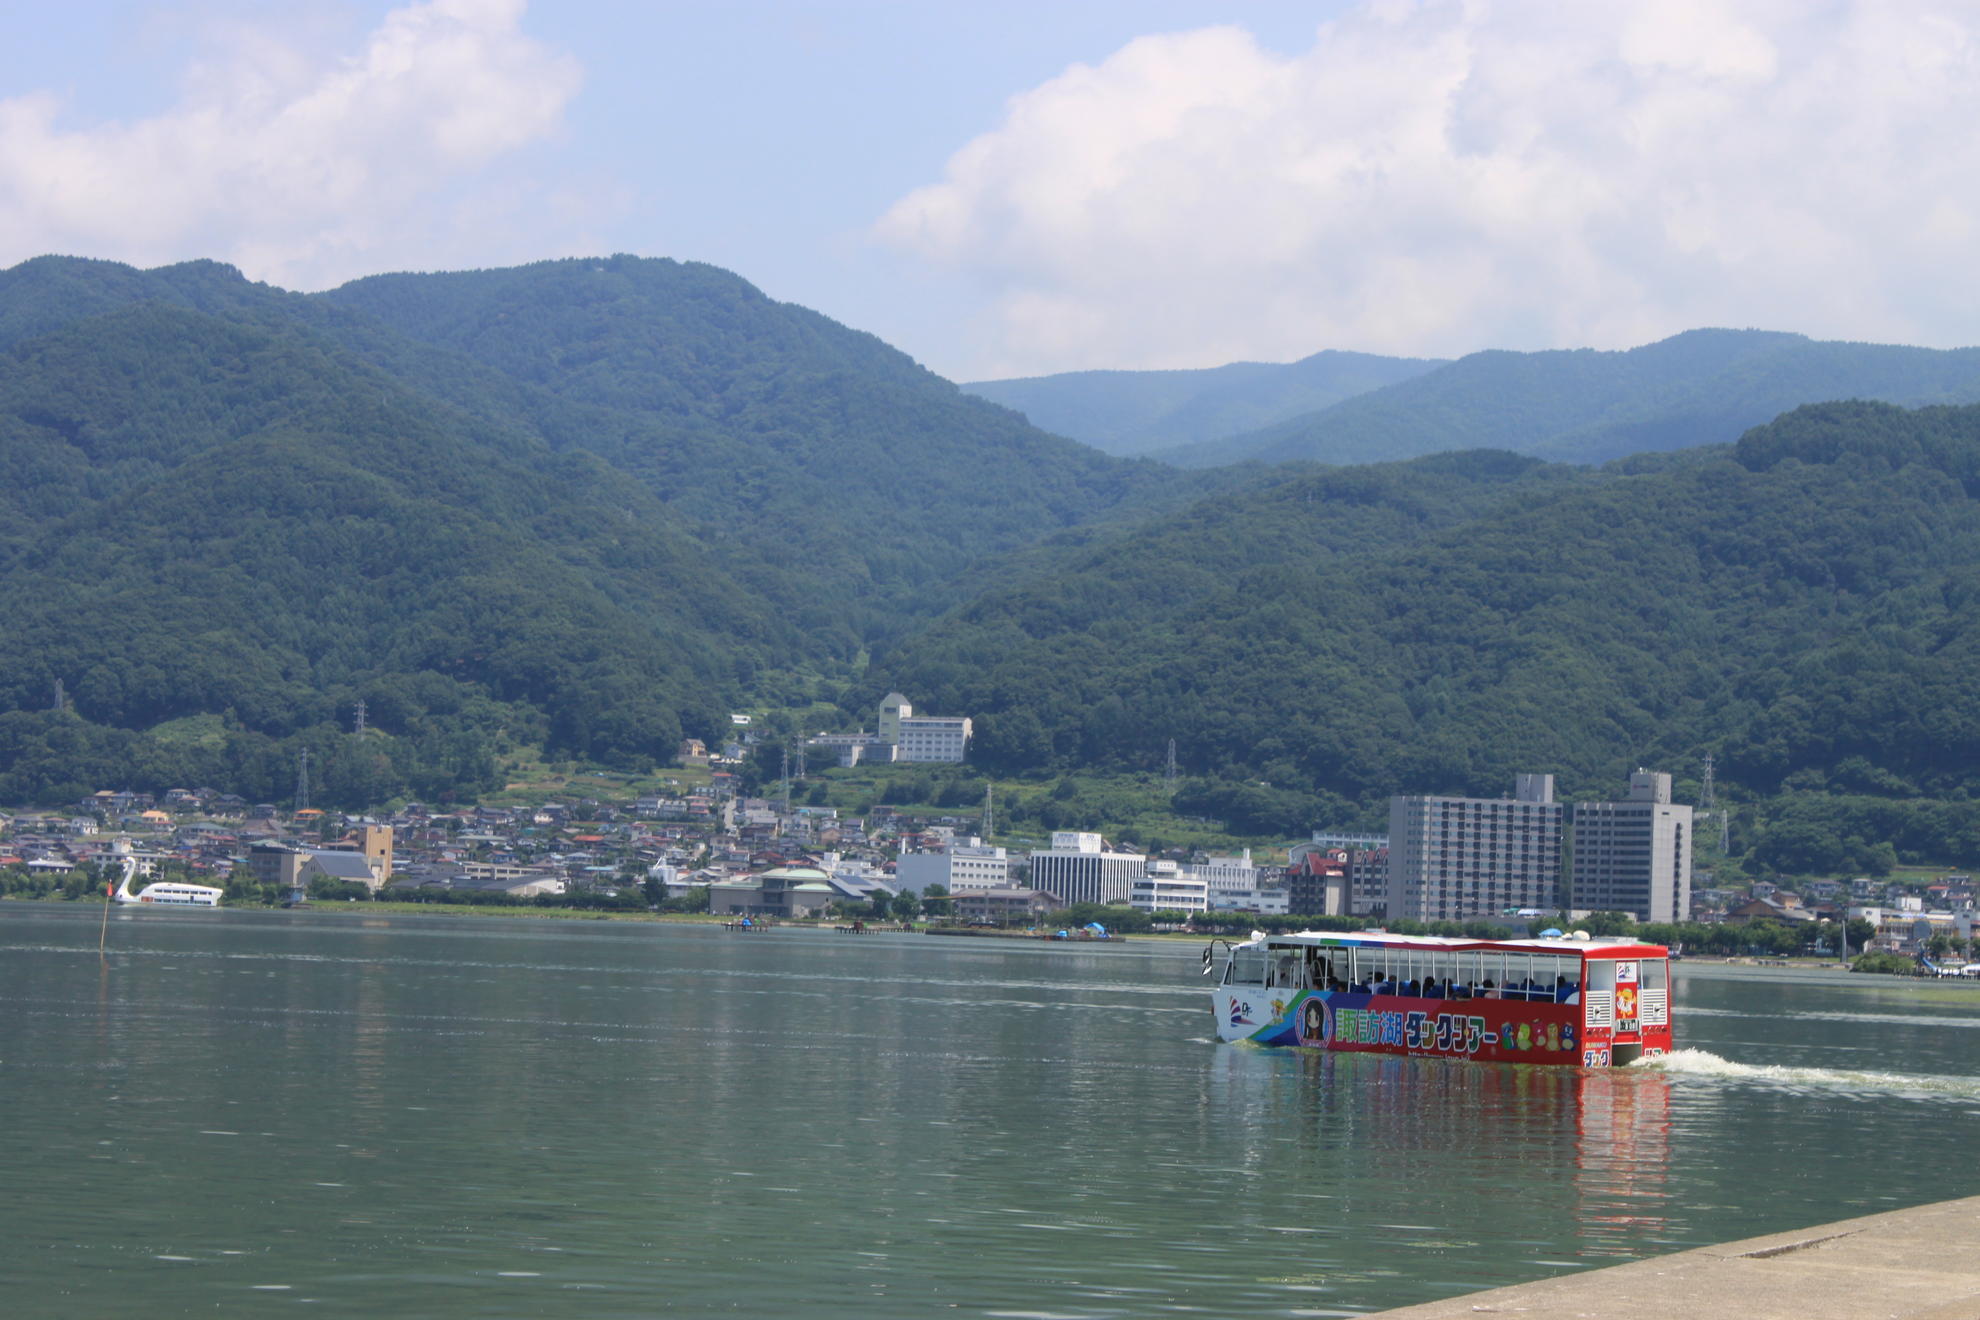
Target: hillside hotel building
x: 901, y: 735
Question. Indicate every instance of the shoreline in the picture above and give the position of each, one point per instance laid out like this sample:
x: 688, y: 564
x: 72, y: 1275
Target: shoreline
x: 1922, y: 1263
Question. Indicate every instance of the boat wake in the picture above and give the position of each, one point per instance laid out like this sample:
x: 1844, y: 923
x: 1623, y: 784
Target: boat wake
x: 1705, y: 1065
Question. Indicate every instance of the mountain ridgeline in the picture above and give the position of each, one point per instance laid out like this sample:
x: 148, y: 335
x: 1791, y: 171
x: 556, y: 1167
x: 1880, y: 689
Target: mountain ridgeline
x: 1140, y: 412
x: 588, y: 507
x: 1581, y: 406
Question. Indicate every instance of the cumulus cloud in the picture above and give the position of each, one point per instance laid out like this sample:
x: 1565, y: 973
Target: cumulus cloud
x: 301, y: 170
x: 1436, y: 177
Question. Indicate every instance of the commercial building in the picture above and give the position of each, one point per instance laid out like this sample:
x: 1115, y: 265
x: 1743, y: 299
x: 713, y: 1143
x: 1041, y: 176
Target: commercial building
x: 1228, y: 874
x: 1007, y: 906
x: 1459, y: 859
x: 1635, y: 855
x: 1168, y: 888
x: 957, y: 867
x: 1266, y: 902
x: 1078, y: 868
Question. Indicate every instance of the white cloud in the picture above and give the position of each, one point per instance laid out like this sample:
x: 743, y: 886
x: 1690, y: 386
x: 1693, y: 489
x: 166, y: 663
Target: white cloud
x: 1443, y: 176
x: 303, y: 171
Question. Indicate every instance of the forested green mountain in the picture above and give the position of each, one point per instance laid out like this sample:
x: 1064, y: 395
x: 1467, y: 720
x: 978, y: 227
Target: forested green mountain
x: 1805, y: 604
x: 1698, y: 388
x: 579, y: 505
x: 1138, y: 412
x: 816, y: 445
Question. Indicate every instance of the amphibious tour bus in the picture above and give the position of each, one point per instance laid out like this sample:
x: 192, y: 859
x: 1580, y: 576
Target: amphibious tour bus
x: 1574, y: 1001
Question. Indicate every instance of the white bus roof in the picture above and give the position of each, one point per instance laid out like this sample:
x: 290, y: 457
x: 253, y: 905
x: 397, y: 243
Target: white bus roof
x: 1377, y: 939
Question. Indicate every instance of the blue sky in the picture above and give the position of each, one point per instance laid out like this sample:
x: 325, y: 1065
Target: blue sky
x: 1034, y: 187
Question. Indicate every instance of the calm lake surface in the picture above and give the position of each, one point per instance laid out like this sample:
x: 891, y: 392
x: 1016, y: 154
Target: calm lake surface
x: 248, y: 1112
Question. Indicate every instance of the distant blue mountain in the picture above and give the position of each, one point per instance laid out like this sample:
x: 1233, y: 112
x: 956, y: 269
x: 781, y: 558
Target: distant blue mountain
x: 1584, y: 406
x: 1135, y: 412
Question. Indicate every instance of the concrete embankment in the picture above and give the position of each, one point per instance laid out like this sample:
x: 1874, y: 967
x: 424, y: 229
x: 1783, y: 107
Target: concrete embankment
x: 1919, y: 1264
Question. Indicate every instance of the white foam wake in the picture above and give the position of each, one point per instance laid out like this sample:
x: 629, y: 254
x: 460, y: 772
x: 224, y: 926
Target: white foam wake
x: 1707, y: 1065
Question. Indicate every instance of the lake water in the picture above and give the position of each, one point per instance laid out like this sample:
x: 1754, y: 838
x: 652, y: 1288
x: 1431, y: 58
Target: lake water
x: 248, y: 1112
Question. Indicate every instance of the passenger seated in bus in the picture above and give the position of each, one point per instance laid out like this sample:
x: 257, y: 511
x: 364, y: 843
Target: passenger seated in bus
x: 1566, y: 991
x: 1486, y: 990
x: 1433, y: 989
x: 1383, y: 985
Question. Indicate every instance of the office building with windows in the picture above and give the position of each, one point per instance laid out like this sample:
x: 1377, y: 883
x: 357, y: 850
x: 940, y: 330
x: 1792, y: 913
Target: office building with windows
x: 962, y: 865
x: 1078, y: 868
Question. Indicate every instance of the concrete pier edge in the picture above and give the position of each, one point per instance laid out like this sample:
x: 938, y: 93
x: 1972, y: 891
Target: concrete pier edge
x: 1917, y: 1264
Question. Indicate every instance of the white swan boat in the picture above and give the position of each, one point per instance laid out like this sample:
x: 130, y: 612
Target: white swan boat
x: 165, y: 893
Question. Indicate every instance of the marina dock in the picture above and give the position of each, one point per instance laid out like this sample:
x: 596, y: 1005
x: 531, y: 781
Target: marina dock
x: 1917, y: 1264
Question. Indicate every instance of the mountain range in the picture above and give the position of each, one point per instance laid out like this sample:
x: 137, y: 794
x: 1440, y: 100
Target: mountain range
x: 1581, y: 406
x: 586, y: 507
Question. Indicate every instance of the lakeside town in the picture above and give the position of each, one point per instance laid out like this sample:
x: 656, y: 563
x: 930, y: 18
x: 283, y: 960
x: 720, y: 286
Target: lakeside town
x: 703, y: 845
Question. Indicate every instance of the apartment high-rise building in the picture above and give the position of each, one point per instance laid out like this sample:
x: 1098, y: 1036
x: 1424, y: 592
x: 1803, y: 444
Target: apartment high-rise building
x: 1635, y: 855
x: 1458, y: 859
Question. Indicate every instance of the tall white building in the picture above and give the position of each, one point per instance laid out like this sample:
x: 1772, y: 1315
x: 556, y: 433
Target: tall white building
x: 1077, y: 868
x: 1457, y: 859
x: 1635, y: 855
x: 957, y: 867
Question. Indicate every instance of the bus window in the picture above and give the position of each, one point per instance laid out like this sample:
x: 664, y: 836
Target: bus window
x: 1601, y: 975
x: 1247, y: 967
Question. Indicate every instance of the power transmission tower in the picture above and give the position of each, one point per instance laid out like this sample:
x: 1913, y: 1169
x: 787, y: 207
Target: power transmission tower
x: 302, y: 780
x: 787, y: 781
x: 989, y: 817
x: 61, y: 696
x: 1711, y: 807
x: 358, y: 721
x: 1169, y: 774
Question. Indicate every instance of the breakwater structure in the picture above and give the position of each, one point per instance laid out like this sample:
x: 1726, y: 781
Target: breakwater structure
x: 1916, y: 1264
